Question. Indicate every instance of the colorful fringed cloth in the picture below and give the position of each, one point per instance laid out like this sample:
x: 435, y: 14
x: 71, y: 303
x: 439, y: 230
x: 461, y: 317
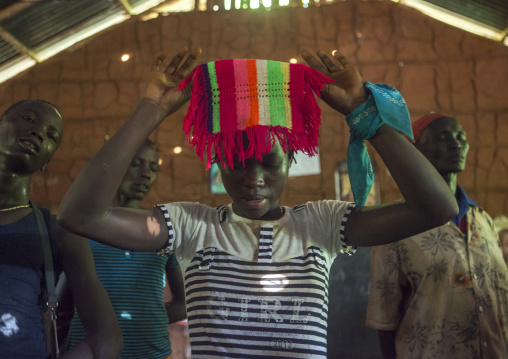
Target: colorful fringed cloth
x: 255, y: 100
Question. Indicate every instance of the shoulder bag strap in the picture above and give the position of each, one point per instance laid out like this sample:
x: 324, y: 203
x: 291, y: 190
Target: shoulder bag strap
x: 49, y: 274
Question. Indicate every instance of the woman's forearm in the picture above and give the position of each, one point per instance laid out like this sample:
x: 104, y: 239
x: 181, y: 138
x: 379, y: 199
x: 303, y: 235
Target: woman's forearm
x: 92, y: 193
x: 428, y: 201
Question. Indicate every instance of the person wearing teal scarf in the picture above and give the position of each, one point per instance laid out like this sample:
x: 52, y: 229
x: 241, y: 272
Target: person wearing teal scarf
x: 248, y: 256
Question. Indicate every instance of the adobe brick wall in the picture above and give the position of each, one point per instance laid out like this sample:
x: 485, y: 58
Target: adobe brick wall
x: 435, y: 66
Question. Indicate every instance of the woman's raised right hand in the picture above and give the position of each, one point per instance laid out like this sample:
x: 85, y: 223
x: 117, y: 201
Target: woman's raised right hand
x: 162, y: 85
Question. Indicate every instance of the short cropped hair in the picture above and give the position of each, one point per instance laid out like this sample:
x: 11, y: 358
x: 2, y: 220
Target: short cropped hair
x: 14, y: 106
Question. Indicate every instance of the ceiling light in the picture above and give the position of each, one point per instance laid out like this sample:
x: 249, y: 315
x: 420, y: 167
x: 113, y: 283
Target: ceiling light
x: 136, y: 10
x: 15, y: 67
x: 176, y: 6
x: 150, y: 16
x: 293, y: 61
x: 80, y: 35
x: 125, y: 57
x: 454, y: 19
x: 177, y: 150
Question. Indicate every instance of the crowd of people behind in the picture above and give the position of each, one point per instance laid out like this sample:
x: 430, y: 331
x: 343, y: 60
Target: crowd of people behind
x: 251, y: 277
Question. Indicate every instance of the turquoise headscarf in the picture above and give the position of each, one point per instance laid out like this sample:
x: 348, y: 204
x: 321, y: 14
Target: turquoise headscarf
x: 384, y: 105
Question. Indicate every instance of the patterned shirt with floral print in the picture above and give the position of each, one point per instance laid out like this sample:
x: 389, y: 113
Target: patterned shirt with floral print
x: 443, y: 292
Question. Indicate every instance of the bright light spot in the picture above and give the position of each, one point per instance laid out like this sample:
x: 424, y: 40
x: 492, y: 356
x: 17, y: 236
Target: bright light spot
x: 150, y: 16
x: 160, y: 161
x: 283, y: 2
x: 238, y: 4
x: 177, y: 150
x: 227, y: 5
x: 273, y: 282
x: 145, y: 5
x: 293, y: 61
x: 80, y: 35
x: 334, y: 52
x: 125, y: 315
x: 168, y: 7
x: 267, y: 3
x: 153, y: 226
x: 454, y: 19
x: 245, y: 6
x: 305, y: 5
x: 125, y: 57
x: 505, y: 41
x: 254, y: 4
x: 8, y: 325
x: 15, y: 67
x: 215, y: 7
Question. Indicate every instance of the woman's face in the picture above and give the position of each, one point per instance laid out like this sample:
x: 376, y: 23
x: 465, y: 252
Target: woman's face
x: 141, y: 175
x: 444, y: 144
x: 256, y: 187
x: 30, y: 133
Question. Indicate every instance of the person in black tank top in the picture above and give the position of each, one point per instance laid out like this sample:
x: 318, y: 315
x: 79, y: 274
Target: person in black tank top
x: 30, y: 133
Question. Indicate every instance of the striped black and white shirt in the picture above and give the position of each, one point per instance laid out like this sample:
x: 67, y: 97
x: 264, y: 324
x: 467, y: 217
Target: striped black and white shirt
x: 257, y: 289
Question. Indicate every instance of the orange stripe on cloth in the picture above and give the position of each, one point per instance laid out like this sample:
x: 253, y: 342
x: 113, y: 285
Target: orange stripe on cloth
x: 254, y: 101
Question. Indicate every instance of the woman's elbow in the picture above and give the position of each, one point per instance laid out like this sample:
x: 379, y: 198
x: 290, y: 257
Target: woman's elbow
x: 109, y: 345
x: 67, y: 220
x: 66, y: 216
x: 443, y: 212
x: 74, y: 223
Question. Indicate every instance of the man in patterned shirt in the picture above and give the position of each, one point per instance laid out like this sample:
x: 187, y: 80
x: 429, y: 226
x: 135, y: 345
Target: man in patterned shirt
x: 442, y: 293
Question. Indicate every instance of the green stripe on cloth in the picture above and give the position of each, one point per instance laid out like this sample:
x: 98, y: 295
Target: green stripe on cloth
x: 275, y: 94
x: 215, y: 93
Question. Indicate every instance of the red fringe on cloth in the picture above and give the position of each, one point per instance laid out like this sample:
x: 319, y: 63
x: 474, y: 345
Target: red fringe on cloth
x: 303, y: 136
